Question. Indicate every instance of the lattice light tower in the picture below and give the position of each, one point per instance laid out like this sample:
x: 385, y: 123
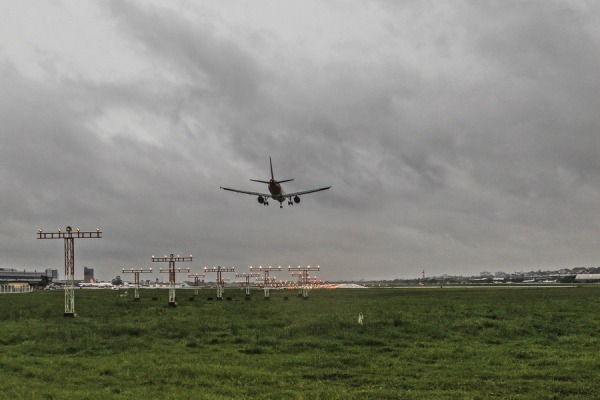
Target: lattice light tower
x: 299, y: 284
x: 266, y: 279
x: 136, y: 272
x: 172, y: 259
x: 220, y: 283
x: 69, y: 237
x: 196, y: 277
x: 247, y: 276
x: 304, y: 277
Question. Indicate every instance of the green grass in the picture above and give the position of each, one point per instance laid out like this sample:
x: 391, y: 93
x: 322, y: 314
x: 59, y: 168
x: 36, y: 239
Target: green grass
x: 475, y: 343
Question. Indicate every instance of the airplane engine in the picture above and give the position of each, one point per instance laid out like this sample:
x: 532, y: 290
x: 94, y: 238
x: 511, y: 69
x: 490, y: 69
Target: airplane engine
x: 296, y: 199
x: 261, y: 199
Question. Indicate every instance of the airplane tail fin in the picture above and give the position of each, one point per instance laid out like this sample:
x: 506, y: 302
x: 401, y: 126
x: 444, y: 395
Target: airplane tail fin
x: 272, y: 176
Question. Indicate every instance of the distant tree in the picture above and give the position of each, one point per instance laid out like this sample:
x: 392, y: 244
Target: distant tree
x: 117, y: 281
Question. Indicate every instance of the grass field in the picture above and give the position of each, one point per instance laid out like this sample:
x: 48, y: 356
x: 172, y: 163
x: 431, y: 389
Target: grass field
x: 459, y: 343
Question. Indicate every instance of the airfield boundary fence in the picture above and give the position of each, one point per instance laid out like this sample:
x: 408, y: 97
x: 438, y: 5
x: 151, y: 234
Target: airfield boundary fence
x: 15, y: 289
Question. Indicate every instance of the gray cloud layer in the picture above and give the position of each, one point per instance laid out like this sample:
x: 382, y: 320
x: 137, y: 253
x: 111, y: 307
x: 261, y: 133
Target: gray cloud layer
x: 457, y: 137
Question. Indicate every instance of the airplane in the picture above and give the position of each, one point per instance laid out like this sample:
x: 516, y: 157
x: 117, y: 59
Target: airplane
x: 276, y: 192
x: 94, y: 284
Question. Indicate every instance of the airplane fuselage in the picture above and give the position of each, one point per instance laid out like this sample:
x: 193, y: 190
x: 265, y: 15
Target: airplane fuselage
x: 276, y: 191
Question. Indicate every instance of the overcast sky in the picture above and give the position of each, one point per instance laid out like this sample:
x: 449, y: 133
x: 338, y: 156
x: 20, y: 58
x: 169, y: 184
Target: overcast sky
x: 458, y: 136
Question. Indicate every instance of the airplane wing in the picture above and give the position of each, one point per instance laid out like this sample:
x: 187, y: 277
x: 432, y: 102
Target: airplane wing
x: 265, y: 195
x: 306, y: 192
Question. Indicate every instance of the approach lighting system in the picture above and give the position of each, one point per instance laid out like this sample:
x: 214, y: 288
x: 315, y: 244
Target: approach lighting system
x: 247, y: 277
x: 196, y: 277
x: 136, y: 272
x: 172, y: 259
x: 266, y: 280
x: 69, y: 237
x: 304, y: 276
x: 220, y: 282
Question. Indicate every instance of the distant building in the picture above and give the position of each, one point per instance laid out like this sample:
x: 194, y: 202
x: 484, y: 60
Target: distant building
x: 52, y: 274
x: 88, y: 275
x: 12, y: 276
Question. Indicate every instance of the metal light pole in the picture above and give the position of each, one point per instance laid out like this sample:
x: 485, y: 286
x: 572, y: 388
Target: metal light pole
x: 136, y: 272
x: 304, y: 273
x: 69, y: 237
x: 247, y: 276
x: 298, y: 284
x: 220, y: 283
x: 172, y: 259
x: 196, y: 280
x: 266, y: 279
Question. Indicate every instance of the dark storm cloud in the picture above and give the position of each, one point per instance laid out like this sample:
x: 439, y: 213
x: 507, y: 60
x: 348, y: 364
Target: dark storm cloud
x: 216, y: 68
x: 257, y: 112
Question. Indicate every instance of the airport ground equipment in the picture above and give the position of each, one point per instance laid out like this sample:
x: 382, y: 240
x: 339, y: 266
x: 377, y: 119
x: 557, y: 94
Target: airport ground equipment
x: 196, y: 277
x: 136, y: 273
x: 220, y: 282
x: 266, y: 280
x: 304, y: 278
x: 247, y: 276
x: 69, y: 237
x: 172, y: 260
